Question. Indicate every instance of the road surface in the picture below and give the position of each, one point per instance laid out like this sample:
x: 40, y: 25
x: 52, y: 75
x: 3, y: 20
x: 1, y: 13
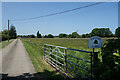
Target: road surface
x: 15, y: 59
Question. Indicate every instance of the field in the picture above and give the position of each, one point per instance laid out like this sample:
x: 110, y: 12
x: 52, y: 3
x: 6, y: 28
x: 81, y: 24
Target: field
x: 35, y: 48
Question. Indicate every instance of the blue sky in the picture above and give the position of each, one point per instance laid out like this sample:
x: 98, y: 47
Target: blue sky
x: 84, y: 20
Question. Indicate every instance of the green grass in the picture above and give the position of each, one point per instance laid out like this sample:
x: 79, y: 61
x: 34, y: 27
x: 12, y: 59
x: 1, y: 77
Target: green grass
x: 76, y: 43
x: 35, y: 48
x: 5, y: 43
x: 36, y: 55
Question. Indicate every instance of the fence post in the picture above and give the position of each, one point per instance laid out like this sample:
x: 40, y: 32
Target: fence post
x: 44, y: 50
x: 95, y: 60
x: 65, y: 59
x: 91, y: 65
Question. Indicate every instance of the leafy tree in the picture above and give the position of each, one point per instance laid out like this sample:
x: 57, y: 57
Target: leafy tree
x: 75, y: 35
x: 87, y: 35
x: 102, y: 32
x: 110, y: 65
x: 117, y: 32
x: 5, y: 32
x: 0, y: 36
x: 32, y: 36
x: 38, y: 35
x: 12, y: 32
x: 45, y: 36
x: 70, y: 35
x: 19, y: 36
x: 83, y: 36
x: 62, y: 35
x: 50, y: 36
x: 4, y: 35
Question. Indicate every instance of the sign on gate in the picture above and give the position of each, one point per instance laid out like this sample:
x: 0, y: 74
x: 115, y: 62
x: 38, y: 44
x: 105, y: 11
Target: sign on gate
x: 95, y: 42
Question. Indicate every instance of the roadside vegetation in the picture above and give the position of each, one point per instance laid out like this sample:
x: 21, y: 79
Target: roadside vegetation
x: 35, y: 51
x: 5, y: 43
x: 35, y: 48
x: 4, y: 36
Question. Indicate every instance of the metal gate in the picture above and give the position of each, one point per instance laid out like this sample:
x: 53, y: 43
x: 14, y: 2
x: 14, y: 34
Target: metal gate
x: 69, y: 61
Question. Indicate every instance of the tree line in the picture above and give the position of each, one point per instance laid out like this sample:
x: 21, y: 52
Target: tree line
x: 12, y: 33
x: 102, y: 32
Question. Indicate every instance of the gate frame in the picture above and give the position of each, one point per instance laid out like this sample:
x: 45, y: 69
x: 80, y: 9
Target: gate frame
x: 93, y: 56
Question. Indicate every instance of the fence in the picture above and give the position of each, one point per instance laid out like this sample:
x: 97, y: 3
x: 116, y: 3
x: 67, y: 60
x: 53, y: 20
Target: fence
x: 69, y: 62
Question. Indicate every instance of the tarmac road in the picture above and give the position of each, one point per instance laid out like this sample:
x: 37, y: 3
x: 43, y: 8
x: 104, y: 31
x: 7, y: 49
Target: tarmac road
x: 15, y: 59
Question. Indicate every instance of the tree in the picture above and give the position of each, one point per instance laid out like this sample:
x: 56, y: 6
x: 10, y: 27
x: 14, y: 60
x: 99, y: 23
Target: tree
x: 45, y: 36
x: 38, y: 35
x: 12, y: 32
x: 70, y: 35
x: 62, y: 35
x: 50, y: 36
x: 4, y: 35
x: 0, y: 36
x: 117, y: 32
x: 5, y: 32
x: 75, y: 35
x: 32, y: 36
x: 102, y: 32
x: 83, y: 36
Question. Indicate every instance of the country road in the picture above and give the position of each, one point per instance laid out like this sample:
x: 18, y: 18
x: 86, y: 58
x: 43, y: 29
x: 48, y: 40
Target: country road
x: 15, y: 59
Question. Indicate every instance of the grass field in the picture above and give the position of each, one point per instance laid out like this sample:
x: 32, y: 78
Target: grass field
x: 35, y: 48
x: 5, y: 43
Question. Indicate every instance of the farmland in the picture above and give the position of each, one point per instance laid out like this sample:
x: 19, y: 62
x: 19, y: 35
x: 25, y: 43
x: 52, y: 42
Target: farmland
x: 35, y: 49
x: 76, y: 43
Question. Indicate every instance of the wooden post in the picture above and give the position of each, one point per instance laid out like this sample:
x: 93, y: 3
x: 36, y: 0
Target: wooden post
x: 8, y: 30
x: 95, y: 59
x: 95, y: 56
x: 65, y: 59
x: 91, y: 65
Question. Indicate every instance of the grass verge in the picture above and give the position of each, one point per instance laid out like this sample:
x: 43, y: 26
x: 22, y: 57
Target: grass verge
x: 36, y: 55
x: 5, y: 43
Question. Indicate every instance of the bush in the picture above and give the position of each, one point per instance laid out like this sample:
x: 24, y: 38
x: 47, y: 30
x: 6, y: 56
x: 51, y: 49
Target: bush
x: 62, y: 35
x: 50, y: 36
x: 32, y: 36
x: 109, y: 68
x: 117, y: 32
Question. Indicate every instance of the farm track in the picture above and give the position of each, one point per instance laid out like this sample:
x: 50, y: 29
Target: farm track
x: 16, y: 61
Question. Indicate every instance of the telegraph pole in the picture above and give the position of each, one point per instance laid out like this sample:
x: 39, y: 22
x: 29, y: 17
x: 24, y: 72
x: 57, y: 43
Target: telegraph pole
x: 8, y: 30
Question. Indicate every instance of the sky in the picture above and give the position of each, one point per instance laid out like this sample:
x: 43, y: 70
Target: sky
x: 104, y: 15
x: 59, y: 0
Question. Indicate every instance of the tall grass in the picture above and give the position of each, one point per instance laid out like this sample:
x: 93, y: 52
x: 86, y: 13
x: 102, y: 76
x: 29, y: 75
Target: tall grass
x: 35, y: 48
x: 36, y: 52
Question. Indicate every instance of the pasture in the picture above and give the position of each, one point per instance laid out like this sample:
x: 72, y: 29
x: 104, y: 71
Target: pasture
x: 35, y: 49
